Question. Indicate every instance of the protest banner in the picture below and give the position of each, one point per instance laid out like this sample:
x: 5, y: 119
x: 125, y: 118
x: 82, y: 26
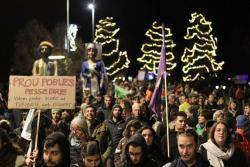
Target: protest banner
x: 42, y: 92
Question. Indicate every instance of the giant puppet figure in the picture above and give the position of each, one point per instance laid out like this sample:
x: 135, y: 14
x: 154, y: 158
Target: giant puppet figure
x: 43, y: 66
x: 31, y: 131
x: 93, y: 72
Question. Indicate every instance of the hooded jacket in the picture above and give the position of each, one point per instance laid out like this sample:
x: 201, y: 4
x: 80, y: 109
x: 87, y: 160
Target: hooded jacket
x: 145, y: 161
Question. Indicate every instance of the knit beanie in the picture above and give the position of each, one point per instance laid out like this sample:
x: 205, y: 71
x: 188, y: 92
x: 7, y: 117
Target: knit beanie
x: 242, y: 121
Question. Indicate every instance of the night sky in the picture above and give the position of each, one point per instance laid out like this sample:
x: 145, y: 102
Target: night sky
x: 230, y: 23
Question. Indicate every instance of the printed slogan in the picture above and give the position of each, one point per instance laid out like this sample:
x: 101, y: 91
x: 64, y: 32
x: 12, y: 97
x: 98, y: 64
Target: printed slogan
x: 42, y: 92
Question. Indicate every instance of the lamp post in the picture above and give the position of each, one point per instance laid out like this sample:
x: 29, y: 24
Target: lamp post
x: 67, y: 28
x: 91, y: 6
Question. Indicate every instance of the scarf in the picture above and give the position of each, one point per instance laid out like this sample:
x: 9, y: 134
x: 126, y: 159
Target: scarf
x: 215, y: 155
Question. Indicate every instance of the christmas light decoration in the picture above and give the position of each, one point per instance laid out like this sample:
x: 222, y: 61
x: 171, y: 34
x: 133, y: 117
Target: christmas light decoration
x: 114, y: 60
x: 199, y: 59
x: 72, y: 31
x: 152, y: 49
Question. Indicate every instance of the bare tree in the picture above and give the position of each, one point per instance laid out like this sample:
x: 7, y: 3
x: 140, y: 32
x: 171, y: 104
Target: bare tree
x: 26, y: 45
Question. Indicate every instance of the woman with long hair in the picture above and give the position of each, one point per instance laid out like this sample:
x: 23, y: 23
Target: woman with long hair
x: 219, y: 150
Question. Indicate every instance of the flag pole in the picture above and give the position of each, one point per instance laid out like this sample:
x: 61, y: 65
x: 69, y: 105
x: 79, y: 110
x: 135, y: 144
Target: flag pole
x: 165, y: 84
x: 37, y: 131
x: 166, y: 108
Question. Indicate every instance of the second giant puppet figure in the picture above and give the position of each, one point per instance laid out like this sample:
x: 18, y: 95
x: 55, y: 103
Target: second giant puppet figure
x: 93, y: 72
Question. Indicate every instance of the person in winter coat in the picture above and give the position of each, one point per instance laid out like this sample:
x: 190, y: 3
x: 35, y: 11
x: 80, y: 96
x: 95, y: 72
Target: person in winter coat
x: 136, y: 153
x: 187, y: 146
x: 10, y: 155
x: 116, y: 125
x: 100, y: 132
x: 153, y: 150
x: 78, y: 139
x: 219, y: 150
x: 91, y: 155
x: 131, y: 128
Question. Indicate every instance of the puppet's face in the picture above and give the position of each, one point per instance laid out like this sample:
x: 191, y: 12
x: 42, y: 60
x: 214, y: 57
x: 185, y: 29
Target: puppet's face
x: 92, y: 51
x: 45, y: 50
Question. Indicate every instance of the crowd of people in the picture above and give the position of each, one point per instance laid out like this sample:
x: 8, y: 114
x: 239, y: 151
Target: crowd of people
x: 204, y: 128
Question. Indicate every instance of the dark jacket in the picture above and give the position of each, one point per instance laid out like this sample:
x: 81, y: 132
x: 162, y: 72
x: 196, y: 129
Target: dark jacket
x: 199, y: 162
x: 116, y: 129
x: 174, y: 153
x: 154, y: 150
x: 60, y: 126
x: 142, y: 119
x: 238, y: 158
x: 102, y: 135
x: 75, y: 152
x: 107, y: 112
x: 145, y: 161
x: 9, y: 157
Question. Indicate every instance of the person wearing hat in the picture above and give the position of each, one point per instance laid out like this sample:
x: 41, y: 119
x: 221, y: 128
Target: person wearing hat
x: 91, y: 155
x: 243, y: 135
x: 116, y: 125
x: 243, y: 124
x: 42, y: 66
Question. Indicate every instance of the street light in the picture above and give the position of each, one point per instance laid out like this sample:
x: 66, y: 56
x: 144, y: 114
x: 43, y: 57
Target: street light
x: 67, y: 28
x: 91, y: 6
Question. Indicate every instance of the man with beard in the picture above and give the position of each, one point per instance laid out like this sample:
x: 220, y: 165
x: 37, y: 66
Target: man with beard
x: 188, y: 145
x: 56, y: 151
x: 116, y: 125
x: 100, y: 132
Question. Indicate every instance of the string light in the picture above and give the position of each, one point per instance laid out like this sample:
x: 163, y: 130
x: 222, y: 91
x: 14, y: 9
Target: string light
x: 199, y: 60
x: 105, y: 35
x: 72, y: 32
x: 152, y: 50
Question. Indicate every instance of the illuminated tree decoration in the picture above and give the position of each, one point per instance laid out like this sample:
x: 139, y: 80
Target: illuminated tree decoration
x: 72, y: 31
x: 199, y: 59
x: 152, y: 50
x: 115, y: 61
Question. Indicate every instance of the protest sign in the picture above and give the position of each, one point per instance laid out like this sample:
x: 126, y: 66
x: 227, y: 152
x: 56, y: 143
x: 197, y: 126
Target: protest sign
x: 42, y: 92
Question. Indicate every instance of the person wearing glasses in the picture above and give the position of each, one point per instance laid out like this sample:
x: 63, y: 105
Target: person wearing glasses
x: 93, y: 72
x: 220, y: 149
x: 43, y: 66
x: 77, y: 138
x: 136, y: 154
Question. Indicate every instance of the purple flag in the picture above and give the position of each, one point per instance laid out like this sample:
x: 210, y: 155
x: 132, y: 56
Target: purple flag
x: 155, y: 103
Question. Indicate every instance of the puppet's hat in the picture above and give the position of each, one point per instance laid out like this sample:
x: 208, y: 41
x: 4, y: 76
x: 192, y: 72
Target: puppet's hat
x: 47, y: 43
